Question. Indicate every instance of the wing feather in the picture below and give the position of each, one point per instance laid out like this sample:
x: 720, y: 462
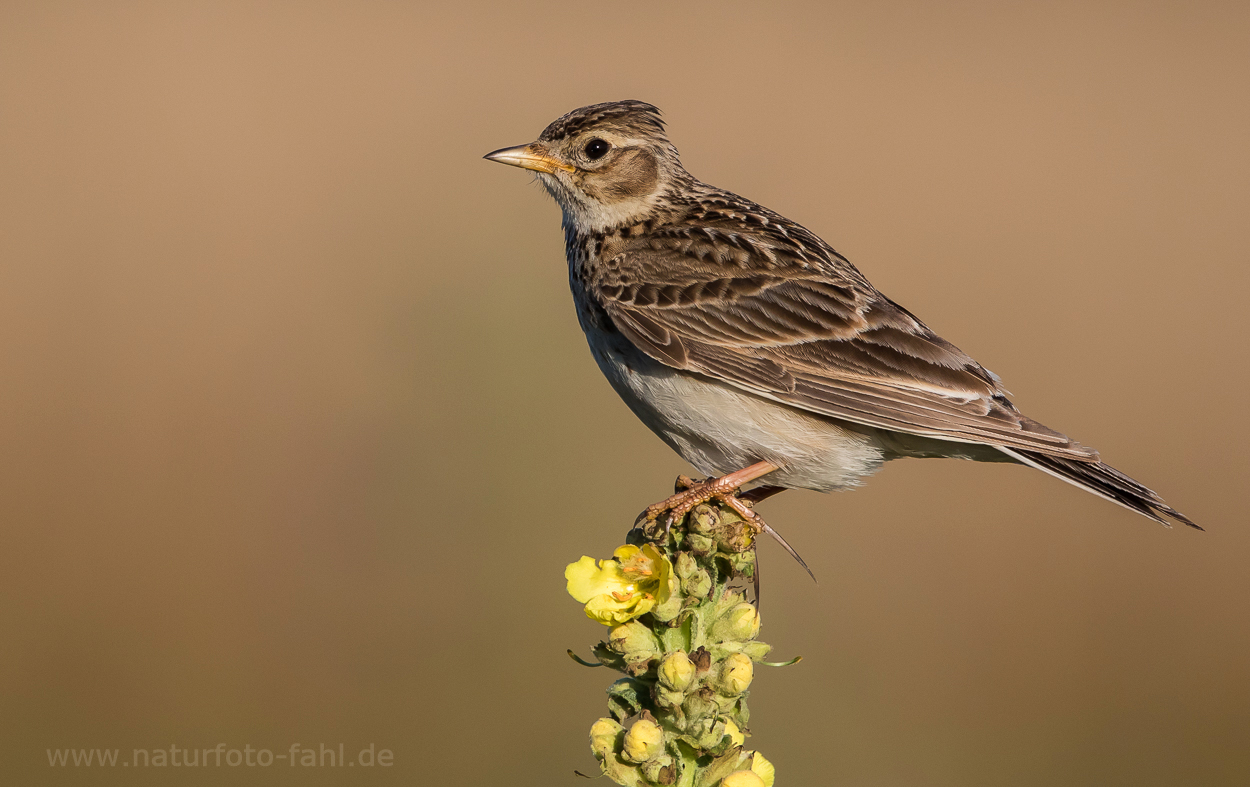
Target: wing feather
x: 815, y: 337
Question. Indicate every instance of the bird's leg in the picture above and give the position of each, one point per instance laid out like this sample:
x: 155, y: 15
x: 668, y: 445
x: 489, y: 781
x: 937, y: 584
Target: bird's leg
x: 723, y: 489
x: 690, y: 493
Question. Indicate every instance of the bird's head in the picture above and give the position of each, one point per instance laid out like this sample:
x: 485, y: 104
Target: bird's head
x: 607, y: 165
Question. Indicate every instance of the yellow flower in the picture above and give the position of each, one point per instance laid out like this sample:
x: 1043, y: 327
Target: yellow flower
x: 742, y: 779
x: 734, y: 733
x: 618, y: 590
x: 763, y: 769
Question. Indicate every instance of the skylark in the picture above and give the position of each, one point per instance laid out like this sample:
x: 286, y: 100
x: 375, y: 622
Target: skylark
x: 755, y: 350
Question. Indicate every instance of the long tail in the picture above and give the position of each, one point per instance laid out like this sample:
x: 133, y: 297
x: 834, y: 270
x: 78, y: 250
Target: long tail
x: 1104, y: 481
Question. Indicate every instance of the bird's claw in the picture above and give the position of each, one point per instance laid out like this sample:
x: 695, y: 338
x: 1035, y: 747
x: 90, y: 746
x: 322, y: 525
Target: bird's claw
x: 690, y: 493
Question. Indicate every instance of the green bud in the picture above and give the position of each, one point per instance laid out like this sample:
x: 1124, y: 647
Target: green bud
x: 633, y: 637
x: 734, y: 539
x: 660, y: 770
x: 677, y: 671
x: 713, y: 735
x: 735, y: 674
x: 644, y: 741
x: 742, y: 562
x: 742, y: 779
x: 672, y: 606
x: 697, y: 707
x: 669, y: 699
x: 721, y: 651
x: 703, y: 519
x: 625, y: 697
x: 638, y: 663
x: 686, y: 565
x: 623, y: 773
x: 605, y: 734
x: 741, y: 622
x: 699, y: 543
x: 698, y: 585
x: 756, y: 651
x: 728, y: 705
x: 730, y: 760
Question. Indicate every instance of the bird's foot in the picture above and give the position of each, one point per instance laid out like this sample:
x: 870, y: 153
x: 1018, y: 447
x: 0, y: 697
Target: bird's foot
x: 690, y: 493
x: 726, y: 489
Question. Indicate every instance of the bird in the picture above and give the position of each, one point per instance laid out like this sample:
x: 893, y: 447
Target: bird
x: 754, y: 349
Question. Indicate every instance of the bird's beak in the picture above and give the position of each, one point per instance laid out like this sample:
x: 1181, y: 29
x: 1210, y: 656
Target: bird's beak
x: 532, y: 156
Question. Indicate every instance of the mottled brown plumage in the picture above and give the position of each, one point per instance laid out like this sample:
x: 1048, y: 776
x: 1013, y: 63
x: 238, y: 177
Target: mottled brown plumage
x: 741, y: 337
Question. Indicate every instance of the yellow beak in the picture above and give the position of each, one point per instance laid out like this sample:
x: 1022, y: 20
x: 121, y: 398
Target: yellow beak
x: 532, y: 156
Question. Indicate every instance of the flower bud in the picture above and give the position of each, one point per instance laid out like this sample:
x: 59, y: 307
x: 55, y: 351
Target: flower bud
x: 604, y: 735
x: 698, y: 584
x: 721, y: 651
x: 717, y: 734
x: 757, y: 651
x: 686, y: 565
x: 660, y: 770
x: 742, y: 779
x: 644, y: 741
x: 699, y: 543
x: 697, y: 708
x: 632, y: 637
x: 637, y: 663
x: 735, y: 674
x: 673, y: 602
x: 742, y: 562
x: 707, y: 732
x: 742, y: 621
x: 734, y: 538
x: 677, y: 671
x: 669, y: 699
x: 703, y: 519
x: 623, y: 773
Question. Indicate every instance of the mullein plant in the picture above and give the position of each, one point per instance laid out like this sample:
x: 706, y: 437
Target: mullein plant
x: 684, y: 635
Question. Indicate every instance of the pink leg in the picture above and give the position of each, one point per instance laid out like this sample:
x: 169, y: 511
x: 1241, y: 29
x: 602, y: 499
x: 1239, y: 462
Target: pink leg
x: 723, y: 489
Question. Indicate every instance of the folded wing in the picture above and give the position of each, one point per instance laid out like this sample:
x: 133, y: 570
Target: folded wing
x: 822, y: 342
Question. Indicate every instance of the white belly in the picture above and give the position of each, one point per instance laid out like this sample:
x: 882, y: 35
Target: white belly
x: 720, y: 429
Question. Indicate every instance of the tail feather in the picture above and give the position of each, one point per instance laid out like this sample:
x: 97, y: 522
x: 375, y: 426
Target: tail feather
x: 1104, y: 481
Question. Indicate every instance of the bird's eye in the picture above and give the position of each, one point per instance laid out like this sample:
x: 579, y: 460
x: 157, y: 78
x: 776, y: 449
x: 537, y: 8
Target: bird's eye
x: 596, y: 149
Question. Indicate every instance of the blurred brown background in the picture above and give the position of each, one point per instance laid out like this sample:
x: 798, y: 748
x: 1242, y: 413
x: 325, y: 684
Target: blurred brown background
x: 298, y: 430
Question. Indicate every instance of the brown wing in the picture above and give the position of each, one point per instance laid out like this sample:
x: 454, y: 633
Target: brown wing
x: 813, y: 335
